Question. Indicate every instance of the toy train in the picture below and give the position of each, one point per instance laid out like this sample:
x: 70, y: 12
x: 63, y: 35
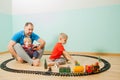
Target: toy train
x: 94, y: 68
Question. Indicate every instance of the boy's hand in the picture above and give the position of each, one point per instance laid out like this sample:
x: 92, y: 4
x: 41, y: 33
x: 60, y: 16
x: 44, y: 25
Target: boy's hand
x: 68, y: 62
x: 35, y: 47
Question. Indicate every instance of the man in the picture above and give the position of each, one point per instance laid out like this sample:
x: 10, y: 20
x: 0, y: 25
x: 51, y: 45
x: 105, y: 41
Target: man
x: 16, y: 49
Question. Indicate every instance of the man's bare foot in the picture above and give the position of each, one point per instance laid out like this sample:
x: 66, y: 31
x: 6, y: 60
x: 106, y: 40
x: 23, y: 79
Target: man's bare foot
x: 19, y: 59
x: 36, y: 62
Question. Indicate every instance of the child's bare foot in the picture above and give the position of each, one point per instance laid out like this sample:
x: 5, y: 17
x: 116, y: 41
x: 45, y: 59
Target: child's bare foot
x: 51, y: 64
x: 36, y: 62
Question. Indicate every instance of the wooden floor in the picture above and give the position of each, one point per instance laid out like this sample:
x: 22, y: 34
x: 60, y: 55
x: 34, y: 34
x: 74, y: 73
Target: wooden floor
x: 112, y: 74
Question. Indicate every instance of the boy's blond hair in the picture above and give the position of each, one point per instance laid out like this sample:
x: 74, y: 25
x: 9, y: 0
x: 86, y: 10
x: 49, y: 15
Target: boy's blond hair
x: 27, y: 39
x: 63, y: 35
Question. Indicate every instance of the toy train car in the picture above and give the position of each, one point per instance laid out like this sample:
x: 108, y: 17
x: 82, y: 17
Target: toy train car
x: 64, y: 70
x: 78, y: 69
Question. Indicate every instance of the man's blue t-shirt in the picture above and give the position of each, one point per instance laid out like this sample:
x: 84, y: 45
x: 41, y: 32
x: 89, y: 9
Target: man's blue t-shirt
x: 19, y: 37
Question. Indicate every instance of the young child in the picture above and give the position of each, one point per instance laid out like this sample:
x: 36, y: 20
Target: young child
x: 59, y: 51
x: 30, y: 48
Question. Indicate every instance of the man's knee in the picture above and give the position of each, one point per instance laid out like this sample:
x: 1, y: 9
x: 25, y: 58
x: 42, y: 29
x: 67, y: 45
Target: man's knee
x: 16, y: 45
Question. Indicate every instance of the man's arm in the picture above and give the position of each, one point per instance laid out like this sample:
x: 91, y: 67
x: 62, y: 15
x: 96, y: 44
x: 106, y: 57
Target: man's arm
x: 12, y: 51
x: 42, y: 44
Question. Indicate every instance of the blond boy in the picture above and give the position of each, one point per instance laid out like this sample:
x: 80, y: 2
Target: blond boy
x: 59, y: 51
x: 30, y: 48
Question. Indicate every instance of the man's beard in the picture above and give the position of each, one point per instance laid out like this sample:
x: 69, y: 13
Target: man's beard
x: 28, y: 35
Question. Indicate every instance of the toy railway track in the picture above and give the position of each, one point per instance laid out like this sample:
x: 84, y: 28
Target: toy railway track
x: 104, y: 68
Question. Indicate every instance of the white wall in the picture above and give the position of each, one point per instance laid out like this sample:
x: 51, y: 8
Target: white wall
x: 42, y: 6
x: 5, y: 23
x: 6, y: 6
x: 92, y: 25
